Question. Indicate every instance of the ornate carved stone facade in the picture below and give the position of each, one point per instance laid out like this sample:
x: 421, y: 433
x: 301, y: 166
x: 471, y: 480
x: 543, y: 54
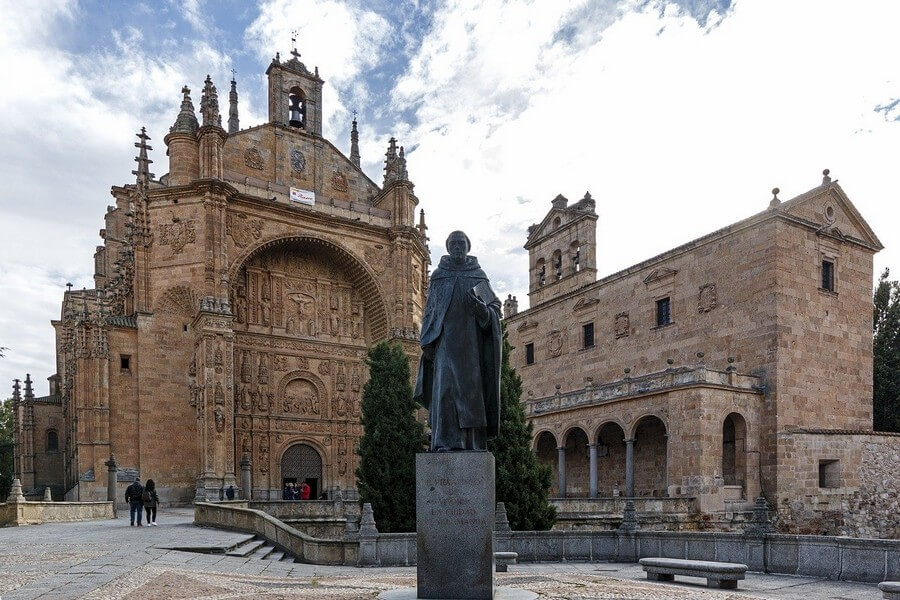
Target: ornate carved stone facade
x: 228, y: 319
x: 694, y: 374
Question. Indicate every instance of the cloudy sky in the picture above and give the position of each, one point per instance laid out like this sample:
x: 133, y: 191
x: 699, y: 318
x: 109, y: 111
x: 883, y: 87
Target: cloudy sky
x: 678, y: 116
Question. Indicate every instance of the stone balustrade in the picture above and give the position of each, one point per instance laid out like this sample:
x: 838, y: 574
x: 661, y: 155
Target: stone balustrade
x: 627, y: 387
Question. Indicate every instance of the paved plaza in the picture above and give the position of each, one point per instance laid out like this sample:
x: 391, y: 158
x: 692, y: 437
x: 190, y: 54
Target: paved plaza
x: 111, y: 560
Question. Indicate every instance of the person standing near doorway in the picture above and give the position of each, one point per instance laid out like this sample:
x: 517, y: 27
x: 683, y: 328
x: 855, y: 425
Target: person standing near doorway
x: 133, y: 495
x: 305, y: 491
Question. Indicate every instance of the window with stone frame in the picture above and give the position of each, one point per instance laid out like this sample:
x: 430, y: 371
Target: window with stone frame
x: 663, y: 312
x: 52, y: 441
x: 828, y: 275
x: 829, y: 474
x: 529, y: 354
x: 125, y: 362
x: 587, y: 335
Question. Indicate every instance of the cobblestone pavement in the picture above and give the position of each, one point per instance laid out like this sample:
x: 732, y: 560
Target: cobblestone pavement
x: 102, y: 560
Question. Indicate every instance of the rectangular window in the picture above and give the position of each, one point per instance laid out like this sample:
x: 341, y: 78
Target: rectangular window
x: 663, y: 314
x: 529, y: 354
x: 588, y: 335
x: 829, y: 473
x: 828, y: 275
x: 124, y: 362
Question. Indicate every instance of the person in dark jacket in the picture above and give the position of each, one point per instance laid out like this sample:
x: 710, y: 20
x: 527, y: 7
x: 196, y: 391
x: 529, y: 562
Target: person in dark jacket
x: 229, y: 493
x: 150, y: 500
x: 133, y: 494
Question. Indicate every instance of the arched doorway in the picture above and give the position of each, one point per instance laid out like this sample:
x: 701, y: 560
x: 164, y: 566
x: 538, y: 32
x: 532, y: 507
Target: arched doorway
x: 650, y: 457
x: 734, y: 450
x: 300, y: 463
x: 545, y: 448
x: 610, y: 460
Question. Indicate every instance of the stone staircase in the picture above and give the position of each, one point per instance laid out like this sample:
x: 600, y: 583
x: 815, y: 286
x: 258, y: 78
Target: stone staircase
x: 259, y: 549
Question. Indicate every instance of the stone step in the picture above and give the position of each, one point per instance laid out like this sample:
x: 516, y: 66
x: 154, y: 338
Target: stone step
x: 263, y: 552
x: 277, y: 555
x: 247, y: 549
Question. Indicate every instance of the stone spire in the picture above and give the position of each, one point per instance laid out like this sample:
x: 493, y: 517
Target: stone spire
x: 186, y: 122
x: 29, y: 392
x: 209, y: 104
x: 395, y: 163
x: 391, y: 163
x: 17, y: 390
x: 143, y: 173
x: 422, y: 227
x: 233, y: 122
x: 354, y: 143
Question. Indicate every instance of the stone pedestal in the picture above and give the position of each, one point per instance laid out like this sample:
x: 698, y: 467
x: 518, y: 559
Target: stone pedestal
x: 455, y: 525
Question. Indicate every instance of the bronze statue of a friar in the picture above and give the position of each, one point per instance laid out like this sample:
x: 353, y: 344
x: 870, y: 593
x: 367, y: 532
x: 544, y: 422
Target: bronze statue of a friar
x: 459, y: 372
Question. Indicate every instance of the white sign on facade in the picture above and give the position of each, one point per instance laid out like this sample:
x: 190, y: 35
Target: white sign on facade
x: 303, y: 196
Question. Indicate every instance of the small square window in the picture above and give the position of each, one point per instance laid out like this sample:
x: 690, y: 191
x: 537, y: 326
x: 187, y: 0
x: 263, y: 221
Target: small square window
x: 529, y: 354
x: 828, y: 275
x: 124, y: 362
x: 829, y: 473
x: 663, y: 312
x: 587, y: 332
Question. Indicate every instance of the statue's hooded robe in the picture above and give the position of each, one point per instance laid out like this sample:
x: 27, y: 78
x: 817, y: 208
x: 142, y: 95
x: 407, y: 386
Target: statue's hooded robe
x: 460, y: 384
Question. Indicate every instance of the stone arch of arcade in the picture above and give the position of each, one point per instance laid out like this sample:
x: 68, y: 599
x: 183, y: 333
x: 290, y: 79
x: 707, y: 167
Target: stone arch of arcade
x: 306, y: 309
x: 605, y: 461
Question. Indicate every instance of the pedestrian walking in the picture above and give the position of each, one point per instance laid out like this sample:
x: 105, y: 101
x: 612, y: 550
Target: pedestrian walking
x: 150, y: 500
x: 133, y: 495
x: 229, y: 493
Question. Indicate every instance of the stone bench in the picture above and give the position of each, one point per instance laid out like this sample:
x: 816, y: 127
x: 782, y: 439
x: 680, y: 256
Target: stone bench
x: 717, y: 574
x: 504, y: 559
x: 890, y: 589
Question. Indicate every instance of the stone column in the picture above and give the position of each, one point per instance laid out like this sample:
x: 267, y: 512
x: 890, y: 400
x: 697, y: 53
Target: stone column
x: 368, y: 538
x: 629, y: 468
x: 561, y: 467
x: 111, y: 476
x: 246, y: 481
x: 592, y: 451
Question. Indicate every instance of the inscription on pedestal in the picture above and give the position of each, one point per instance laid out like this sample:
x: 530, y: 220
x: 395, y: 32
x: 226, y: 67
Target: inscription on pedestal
x: 455, y: 525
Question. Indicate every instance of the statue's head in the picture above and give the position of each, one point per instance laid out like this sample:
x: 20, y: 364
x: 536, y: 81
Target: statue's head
x: 458, y: 245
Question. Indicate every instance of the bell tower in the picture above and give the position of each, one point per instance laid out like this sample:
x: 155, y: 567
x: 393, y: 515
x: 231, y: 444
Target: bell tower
x: 295, y: 94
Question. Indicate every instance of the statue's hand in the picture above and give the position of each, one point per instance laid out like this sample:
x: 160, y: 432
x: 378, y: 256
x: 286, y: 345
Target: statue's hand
x: 479, y: 308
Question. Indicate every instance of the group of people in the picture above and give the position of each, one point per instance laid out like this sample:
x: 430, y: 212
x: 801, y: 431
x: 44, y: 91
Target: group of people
x: 141, y: 498
x: 294, y: 491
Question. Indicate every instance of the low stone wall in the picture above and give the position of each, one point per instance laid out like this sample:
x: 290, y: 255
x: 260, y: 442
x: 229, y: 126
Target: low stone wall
x: 837, y: 558
x: 35, y: 513
x: 305, y: 548
x: 325, y: 519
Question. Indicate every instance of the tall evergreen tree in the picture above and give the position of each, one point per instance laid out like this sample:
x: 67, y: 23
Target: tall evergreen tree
x: 6, y: 448
x: 886, y: 350
x: 523, y: 483
x: 392, y: 436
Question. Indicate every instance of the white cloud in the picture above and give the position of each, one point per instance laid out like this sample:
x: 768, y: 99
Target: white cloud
x: 676, y: 129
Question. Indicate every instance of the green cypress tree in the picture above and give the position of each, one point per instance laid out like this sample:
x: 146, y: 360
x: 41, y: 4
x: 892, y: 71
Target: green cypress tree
x: 523, y: 483
x: 886, y: 350
x: 386, y: 475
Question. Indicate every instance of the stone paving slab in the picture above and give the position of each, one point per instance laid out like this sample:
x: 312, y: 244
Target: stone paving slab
x: 109, y: 560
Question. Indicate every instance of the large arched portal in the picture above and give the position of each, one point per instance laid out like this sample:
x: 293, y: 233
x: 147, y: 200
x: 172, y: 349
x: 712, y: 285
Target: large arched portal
x: 576, y: 464
x: 301, y: 463
x: 305, y: 312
